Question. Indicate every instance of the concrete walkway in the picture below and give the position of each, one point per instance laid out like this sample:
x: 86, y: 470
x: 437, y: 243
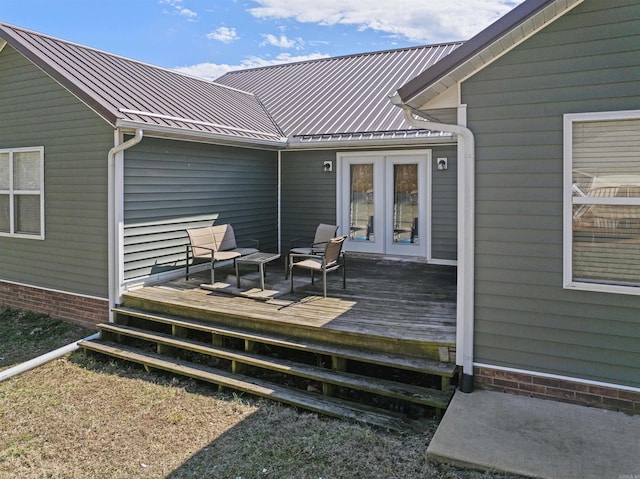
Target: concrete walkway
x: 537, y: 438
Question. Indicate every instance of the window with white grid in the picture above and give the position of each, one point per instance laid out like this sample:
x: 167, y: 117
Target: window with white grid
x: 22, y: 192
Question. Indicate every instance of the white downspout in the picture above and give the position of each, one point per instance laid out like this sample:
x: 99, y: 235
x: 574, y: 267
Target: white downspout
x: 115, y: 218
x: 279, y: 201
x: 466, y: 230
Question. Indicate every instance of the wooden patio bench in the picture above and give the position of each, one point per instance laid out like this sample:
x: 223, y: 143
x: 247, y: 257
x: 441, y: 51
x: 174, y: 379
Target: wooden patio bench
x: 215, y: 243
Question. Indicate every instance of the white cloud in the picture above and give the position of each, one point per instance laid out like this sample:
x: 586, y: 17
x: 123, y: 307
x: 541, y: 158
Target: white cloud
x: 224, y: 35
x: 178, y: 9
x: 424, y: 21
x: 211, y: 71
x: 282, y: 41
x: 185, y: 12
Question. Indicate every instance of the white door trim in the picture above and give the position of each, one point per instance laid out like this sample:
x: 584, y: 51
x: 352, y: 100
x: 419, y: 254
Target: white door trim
x: 383, y: 168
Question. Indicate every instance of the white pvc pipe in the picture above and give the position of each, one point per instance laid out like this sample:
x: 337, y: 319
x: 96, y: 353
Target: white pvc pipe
x: 45, y: 358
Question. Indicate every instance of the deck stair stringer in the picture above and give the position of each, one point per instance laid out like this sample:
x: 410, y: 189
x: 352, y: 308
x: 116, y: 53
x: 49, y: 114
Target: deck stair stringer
x: 242, y: 360
x: 329, y: 406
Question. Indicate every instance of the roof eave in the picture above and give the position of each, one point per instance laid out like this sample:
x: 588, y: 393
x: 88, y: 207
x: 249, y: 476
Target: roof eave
x: 483, y: 49
x: 300, y: 144
x: 173, y: 133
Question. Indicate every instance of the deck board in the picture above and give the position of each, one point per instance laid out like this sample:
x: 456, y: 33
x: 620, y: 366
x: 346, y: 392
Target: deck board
x: 394, y: 299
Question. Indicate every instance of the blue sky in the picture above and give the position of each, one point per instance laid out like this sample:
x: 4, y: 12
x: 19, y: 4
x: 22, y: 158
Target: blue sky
x: 208, y: 37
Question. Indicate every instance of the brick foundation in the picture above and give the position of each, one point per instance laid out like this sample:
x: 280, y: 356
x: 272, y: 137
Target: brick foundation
x: 75, y: 309
x: 523, y: 384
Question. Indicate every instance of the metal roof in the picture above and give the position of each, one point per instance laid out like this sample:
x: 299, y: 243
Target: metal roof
x: 492, y: 42
x: 126, y: 92
x: 338, y: 96
x: 332, y: 100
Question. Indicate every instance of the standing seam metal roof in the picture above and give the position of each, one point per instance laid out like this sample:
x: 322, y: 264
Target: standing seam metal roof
x: 338, y: 95
x: 342, y: 98
x: 116, y: 87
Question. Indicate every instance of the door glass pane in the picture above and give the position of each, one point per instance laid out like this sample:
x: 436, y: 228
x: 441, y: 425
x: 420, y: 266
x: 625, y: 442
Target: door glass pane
x: 361, y: 202
x: 27, y: 211
x: 26, y: 166
x: 4, y: 171
x: 405, y: 204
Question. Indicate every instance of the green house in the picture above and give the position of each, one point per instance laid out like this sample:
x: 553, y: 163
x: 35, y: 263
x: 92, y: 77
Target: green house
x: 513, y: 156
x: 106, y: 161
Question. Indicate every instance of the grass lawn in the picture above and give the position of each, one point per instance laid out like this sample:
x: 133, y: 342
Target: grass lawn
x: 86, y: 417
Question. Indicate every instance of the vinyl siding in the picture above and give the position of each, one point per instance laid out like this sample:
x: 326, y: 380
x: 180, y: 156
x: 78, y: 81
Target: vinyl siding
x: 444, y: 205
x: 309, y: 197
x: 308, y: 194
x: 174, y: 185
x: 589, y: 60
x: 36, y: 111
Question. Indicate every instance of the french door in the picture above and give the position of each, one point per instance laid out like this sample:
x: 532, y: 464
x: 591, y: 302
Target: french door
x: 383, y: 201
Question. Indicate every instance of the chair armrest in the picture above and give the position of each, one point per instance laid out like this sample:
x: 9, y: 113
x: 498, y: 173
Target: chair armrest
x: 190, y: 248
x: 300, y: 242
x: 302, y: 257
x: 318, y: 248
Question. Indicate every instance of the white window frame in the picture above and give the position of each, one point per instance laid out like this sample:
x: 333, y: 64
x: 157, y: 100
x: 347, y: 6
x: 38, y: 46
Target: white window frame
x: 13, y: 193
x: 569, y: 200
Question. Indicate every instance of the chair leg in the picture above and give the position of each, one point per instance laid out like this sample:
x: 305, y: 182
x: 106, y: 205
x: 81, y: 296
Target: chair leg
x: 187, y: 264
x: 291, y: 276
x: 286, y: 266
x: 344, y: 276
x: 213, y: 272
x: 324, y: 281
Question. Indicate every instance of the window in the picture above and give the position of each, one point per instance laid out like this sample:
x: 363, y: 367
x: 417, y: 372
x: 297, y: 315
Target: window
x: 602, y: 201
x: 22, y: 192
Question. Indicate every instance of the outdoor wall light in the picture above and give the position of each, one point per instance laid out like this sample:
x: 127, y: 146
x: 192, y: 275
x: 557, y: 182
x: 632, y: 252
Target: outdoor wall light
x: 327, y: 166
x: 442, y: 163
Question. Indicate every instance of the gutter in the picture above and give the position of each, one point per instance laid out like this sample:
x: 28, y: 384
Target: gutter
x: 466, y: 230
x: 115, y: 218
x: 45, y: 358
x: 161, y: 131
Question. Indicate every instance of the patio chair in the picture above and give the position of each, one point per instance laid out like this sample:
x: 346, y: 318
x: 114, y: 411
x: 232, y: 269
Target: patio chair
x: 215, y: 243
x: 331, y: 260
x: 315, y: 245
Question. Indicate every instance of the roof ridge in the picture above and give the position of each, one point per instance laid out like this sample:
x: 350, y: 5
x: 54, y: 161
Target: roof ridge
x: 350, y: 55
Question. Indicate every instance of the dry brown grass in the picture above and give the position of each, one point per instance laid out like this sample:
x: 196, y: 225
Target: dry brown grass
x: 85, y: 417
x: 81, y: 418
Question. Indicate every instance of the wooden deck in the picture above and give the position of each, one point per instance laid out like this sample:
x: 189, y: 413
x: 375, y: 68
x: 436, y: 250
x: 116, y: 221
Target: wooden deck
x: 389, y: 305
x: 380, y: 351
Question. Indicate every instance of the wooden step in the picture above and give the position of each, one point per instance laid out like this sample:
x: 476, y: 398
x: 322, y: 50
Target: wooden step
x: 425, y: 366
x: 407, y: 392
x: 321, y: 404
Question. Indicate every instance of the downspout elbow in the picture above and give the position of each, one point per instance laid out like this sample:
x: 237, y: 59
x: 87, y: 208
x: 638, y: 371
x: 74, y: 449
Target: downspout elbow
x: 461, y: 131
x: 137, y: 138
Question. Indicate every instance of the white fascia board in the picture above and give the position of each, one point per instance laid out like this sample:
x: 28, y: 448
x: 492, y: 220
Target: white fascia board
x: 199, y: 136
